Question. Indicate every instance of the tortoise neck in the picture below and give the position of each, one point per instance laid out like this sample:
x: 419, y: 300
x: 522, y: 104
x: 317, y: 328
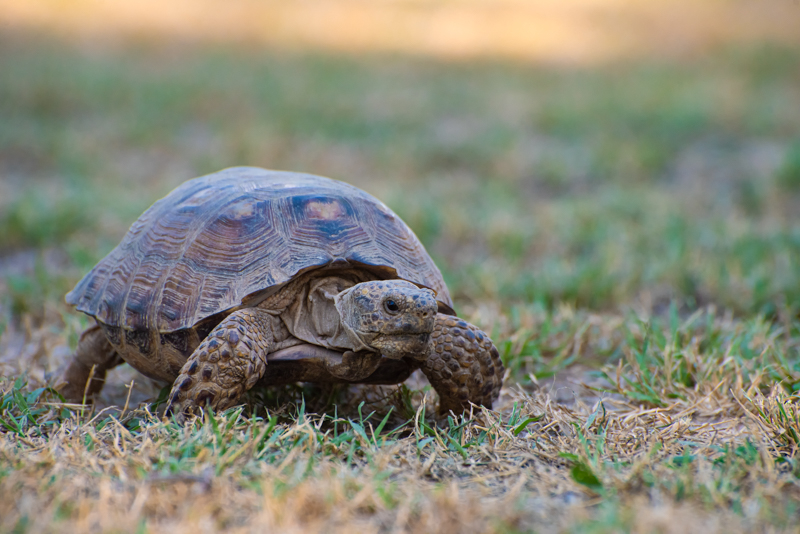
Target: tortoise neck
x: 347, y: 318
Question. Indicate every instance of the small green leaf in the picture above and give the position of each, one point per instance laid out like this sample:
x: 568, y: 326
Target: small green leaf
x: 583, y: 474
x: 457, y: 446
x: 33, y: 396
x: 381, y: 425
x: 359, y: 430
x: 520, y: 427
x: 424, y: 441
x: 209, y: 412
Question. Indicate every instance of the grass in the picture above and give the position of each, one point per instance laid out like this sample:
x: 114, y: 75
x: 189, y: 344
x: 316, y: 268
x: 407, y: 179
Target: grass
x: 628, y: 234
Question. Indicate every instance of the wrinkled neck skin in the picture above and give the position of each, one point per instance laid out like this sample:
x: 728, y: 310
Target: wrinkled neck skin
x: 348, y: 317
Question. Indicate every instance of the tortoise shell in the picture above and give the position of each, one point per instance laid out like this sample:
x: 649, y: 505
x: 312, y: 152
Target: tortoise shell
x: 230, y: 239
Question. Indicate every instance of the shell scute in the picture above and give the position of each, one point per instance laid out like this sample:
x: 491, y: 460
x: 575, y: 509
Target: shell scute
x: 182, y: 288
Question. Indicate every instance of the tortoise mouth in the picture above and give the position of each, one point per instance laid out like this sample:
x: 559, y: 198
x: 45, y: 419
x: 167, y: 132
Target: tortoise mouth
x: 396, y: 346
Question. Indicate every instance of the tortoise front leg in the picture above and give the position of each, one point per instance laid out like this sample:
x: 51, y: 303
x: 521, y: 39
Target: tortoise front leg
x: 463, y: 366
x: 226, y: 364
x: 93, y: 352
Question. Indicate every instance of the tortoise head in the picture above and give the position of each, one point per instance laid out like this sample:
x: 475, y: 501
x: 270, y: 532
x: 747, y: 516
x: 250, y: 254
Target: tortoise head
x: 392, y: 317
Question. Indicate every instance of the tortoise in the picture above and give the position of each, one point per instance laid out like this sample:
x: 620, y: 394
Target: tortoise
x: 252, y: 277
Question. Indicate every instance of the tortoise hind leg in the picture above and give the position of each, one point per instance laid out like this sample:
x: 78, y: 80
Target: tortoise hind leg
x: 463, y: 366
x: 226, y: 364
x: 93, y: 351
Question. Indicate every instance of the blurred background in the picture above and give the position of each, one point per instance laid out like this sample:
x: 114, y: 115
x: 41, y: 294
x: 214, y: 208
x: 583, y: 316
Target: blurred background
x: 604, y: 155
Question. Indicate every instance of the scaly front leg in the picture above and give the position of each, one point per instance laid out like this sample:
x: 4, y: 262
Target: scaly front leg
x: 226, y: 364
x: 93, y: 351
x: 463, y: 366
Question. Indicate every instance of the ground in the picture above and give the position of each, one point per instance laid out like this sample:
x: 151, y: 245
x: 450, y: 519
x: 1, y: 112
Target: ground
x: 626, y: 231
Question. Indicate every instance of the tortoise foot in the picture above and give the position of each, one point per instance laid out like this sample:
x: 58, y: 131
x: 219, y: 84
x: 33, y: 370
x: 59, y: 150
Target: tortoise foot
x: 463, y: 367
x: 226, y: 364
x: 86, y: 373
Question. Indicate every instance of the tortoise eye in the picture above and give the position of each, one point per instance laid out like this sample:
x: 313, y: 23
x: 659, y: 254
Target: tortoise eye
x: 391, y: 306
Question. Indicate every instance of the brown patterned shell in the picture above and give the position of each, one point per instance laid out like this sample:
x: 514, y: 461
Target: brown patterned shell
x: 230, y: 238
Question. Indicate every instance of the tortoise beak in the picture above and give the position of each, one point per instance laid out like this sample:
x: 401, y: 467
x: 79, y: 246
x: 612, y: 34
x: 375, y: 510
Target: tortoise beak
x: 398, y: 346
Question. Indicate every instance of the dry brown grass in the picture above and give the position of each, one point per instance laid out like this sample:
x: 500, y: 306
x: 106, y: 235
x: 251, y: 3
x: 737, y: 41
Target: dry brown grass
x: 549, y: 458
x: 89, y: 479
